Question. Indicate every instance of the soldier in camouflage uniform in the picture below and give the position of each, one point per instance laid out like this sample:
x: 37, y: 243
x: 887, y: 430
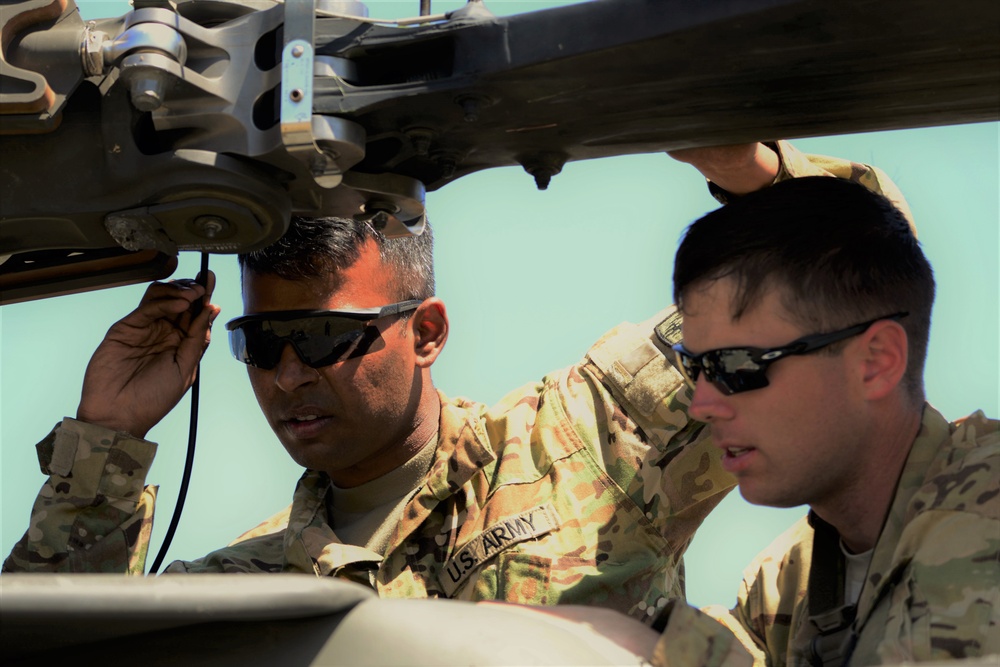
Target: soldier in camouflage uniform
x: 897, y: 560
x: 583, y: 488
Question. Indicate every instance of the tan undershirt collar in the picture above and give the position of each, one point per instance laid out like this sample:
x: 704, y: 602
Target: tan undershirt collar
x: 366, y: 515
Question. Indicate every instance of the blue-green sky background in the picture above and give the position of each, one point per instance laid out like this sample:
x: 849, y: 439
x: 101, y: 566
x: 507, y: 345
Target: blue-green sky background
x: 530, y: 279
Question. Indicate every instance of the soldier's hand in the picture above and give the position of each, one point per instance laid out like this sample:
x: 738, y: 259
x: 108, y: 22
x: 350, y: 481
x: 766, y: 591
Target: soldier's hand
x: 737, y: 169
x: 148, y: 359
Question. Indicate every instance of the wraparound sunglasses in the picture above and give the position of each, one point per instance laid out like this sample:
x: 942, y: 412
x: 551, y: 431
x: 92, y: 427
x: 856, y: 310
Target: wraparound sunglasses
x: 737, y: 369
x: 319, y: 337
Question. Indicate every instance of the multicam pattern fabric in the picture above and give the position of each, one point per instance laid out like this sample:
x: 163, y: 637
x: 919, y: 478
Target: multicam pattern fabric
x: 693, y: 638
x: 93, y: 514
x: 932, y: 592
x: 584, y: 488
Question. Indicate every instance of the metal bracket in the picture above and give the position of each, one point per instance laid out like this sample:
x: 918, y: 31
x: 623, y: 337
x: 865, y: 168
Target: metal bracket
x: 326, y: 162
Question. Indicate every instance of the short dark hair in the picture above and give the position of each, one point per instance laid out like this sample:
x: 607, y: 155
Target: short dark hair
x: 838, y: 253
x: 313, y: 247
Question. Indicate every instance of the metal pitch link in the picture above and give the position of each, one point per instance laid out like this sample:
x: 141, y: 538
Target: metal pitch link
x: 328, y: 146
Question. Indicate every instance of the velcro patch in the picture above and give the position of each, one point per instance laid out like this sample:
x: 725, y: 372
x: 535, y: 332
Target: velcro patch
x: 63, y: 452
x: 669, y: 330
x: 496, y: 538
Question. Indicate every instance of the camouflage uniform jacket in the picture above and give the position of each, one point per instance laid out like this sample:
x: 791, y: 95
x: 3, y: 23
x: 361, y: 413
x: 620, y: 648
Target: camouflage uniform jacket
x: 584, y: 488
x: 932, y: 591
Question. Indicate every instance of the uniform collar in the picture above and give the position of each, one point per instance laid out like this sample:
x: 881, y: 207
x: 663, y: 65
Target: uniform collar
x: 462, y: 451
x: 925, y: 459
x: 463, y: 447
x: 311, y: 545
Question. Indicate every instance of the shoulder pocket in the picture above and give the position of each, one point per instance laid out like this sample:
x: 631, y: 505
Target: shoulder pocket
x: 635, y: 369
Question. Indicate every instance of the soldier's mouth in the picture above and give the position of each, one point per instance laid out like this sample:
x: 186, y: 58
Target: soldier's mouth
x: 737, y: 451
x: 736, y: 458
x: 307, y: 422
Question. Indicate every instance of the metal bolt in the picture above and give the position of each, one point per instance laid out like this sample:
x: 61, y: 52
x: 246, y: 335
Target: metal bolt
x: 380, y: 220
x: 296, y: 95
x: 421, y: 138
x: 146, y: 91
x: 376, y: 212
x: 297, y: 51
x: 447, y: 161
x: 542, y: 178
x: 543, y: 166
x: 448, y: 168
x: 470, y: 106
x: 210, y: 226
x: 93, y: 50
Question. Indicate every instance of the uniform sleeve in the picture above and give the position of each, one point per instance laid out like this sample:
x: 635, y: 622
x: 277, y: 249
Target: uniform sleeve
x: 94, y: 512
x: 719, y: 637
x: 693, y: 638
x: 796, y: 164
x: 946, y: 604
x: 258, y: 550
x: 768, y: 604
x: 756, y: 630
x: 650, y: 446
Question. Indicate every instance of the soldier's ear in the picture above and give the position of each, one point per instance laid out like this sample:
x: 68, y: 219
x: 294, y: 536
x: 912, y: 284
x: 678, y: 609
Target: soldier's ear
x: 430, y: 331
x: 884, y: 353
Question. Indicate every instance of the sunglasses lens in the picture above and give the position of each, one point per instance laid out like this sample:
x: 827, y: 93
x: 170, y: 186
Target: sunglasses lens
x: 320, y: 350
x: 733, y: 371
x: 688, y: 366
x: 247, y: 346
x: 319, y: 341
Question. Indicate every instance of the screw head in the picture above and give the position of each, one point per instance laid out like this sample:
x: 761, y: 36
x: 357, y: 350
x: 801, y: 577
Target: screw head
x: 210, y: 226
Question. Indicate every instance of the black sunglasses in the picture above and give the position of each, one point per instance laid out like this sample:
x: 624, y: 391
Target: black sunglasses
x: 735, y: 369
x: 319, y: 337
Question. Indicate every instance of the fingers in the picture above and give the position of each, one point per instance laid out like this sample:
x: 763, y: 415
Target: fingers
x: 201, y: 326
x: 149, y: 359
x: 175, y: 296
x: 193, y: 346
x: 209, y: 283
x: 171, y: 303
x: 168, y: 299
x: 198, y: 332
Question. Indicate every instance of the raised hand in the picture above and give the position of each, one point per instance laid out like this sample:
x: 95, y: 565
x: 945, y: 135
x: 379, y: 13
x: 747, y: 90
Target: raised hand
x: 149, y: 358
x: 737, y: 169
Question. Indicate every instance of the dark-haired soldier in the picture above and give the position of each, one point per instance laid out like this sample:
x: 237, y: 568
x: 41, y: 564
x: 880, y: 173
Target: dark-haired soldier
x: 807, y: 309
x: 583, y: 488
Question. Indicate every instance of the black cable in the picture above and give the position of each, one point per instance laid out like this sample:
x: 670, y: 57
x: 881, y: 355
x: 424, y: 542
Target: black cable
x: 189, y: 461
